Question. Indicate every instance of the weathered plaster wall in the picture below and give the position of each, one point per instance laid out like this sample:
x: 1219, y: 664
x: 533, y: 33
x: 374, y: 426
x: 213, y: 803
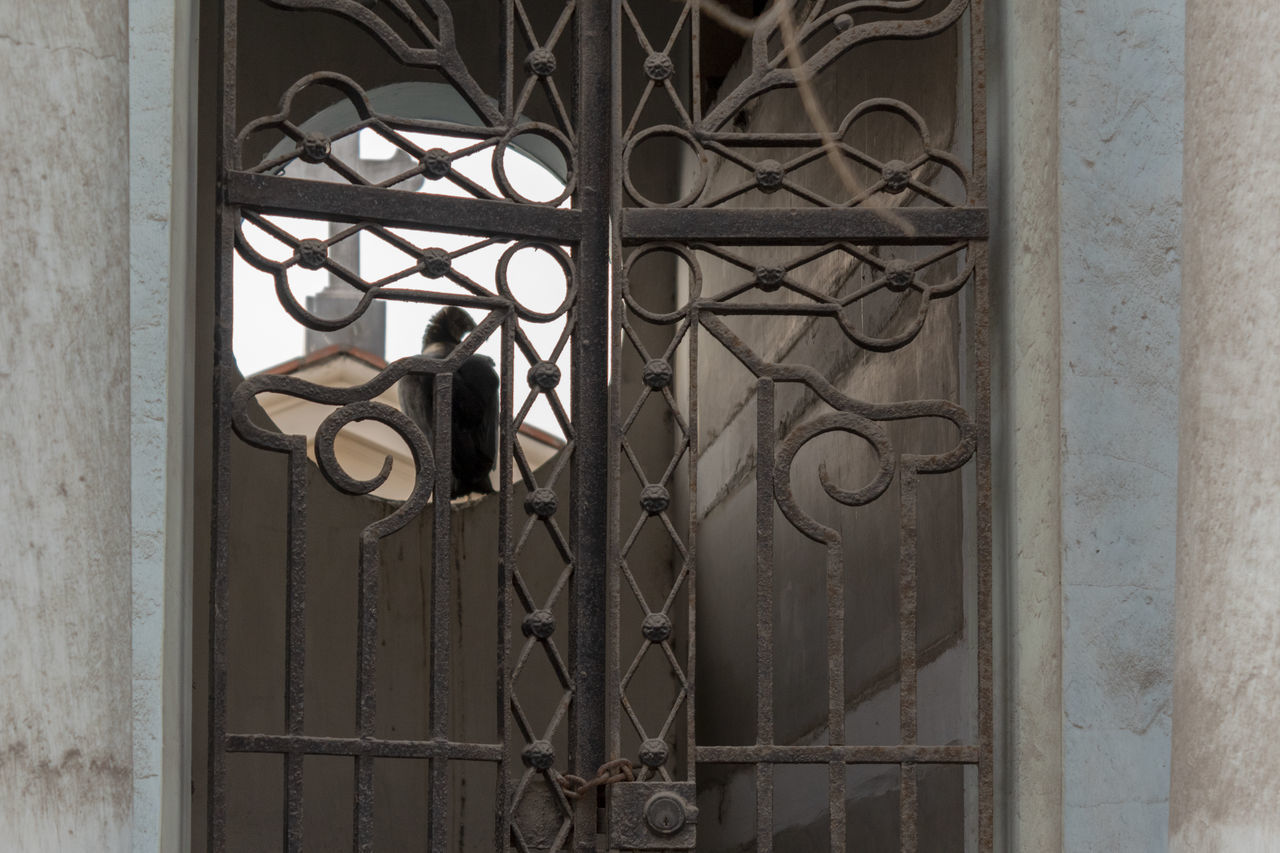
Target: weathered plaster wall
x: 1225, y: 787
x: 1026, y: 421
x: 1120, y: 130
x: 65, y: 753
x: 162, y: 64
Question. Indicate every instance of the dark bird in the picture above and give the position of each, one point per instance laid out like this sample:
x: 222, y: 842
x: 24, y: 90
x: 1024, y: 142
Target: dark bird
x: 474, y: 421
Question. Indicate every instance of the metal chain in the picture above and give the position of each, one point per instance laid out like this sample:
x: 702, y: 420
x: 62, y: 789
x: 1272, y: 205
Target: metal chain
x: 618, y: 770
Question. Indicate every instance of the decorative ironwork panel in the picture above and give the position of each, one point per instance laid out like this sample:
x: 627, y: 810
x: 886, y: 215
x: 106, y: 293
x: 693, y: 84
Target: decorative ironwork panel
x: 765, y: 235
x: 827, y: 245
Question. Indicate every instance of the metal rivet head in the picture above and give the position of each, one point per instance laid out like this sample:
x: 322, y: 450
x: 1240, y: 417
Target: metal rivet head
x: 312, y: 254
x: 436, y: 163
x: 656, y: 627
x: 770, y: 279
x: 842, y: 22
x: 653, y: 753
x: 544, y: 375
x: 895, y: 175
x: 435, y: 263
x: 315, y: 148
x: 541, y: 62
x: 657, y: 374
x: 898, y: 274
x: 540, y: 624
x: 665, y: 813
x: 539, y: 755
x: 654, y: 498
x: 541, y: 502
x: 769, y: 175
x: 658, y: 66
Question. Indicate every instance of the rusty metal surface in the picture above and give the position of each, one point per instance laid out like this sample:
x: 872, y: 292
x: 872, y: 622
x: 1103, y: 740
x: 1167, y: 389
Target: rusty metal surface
x: 900, y: 227
x: 654, y: 816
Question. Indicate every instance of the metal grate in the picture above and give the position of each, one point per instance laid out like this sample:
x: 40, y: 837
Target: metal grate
x: 682, y: 313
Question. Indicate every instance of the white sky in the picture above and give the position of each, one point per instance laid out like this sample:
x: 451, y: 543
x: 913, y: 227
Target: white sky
x: 265, y: 335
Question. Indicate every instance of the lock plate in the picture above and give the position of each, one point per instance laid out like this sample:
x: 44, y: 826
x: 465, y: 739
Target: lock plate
x: 653, y: 816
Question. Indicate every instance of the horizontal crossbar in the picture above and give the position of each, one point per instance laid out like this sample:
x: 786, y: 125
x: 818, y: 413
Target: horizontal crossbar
x: 363, y: 746
x: 402, y: 208
x: 819, y: 225
x: 820, y: 754
x: 486, y: 217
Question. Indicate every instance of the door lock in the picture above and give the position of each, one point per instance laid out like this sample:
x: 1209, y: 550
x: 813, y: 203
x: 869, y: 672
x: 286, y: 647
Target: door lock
x: 653, y: 816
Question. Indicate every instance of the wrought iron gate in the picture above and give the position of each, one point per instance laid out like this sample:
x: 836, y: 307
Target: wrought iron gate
x: 793, y: 228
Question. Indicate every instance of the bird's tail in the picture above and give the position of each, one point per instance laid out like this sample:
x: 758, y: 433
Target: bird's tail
x: 448, y: 325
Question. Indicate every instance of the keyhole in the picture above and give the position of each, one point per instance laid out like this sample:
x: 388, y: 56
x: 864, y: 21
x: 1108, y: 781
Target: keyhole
x: 665, y: 813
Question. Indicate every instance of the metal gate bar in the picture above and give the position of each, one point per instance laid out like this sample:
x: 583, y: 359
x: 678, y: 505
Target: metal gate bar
x: 598, y: 203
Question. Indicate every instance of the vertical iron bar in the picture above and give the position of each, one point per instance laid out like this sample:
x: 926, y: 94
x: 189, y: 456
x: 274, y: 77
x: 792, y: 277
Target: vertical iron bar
x: 764, y: 608
x: 441, y: 609
x: 691, y: 582
x: 224, y: 263
x: 986, y: 697
x: 502, y: 809
x: 218, y: 594
x: 835, y: 689
x: 366, y: 668
x: 613, y: 648
x: 508, y: 47
x: 695, y: 58
x: 835, y: 800
x: 295, y: 641
x: 909, y: 807
x: 986, y: 726
x: 908, y: 480
x: 596, y: 120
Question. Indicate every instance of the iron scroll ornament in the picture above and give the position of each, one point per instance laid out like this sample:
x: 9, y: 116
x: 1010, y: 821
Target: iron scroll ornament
x: 357, y: 403
x: 438, y: 48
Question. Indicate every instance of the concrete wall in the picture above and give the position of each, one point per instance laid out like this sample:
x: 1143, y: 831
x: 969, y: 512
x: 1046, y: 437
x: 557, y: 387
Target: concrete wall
x: 1120, y: 166
x: 65, y: 712
x: 1224, y: 785
x: 162, y: 111
x: 1026, y: 421
x: 1086, y: 129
